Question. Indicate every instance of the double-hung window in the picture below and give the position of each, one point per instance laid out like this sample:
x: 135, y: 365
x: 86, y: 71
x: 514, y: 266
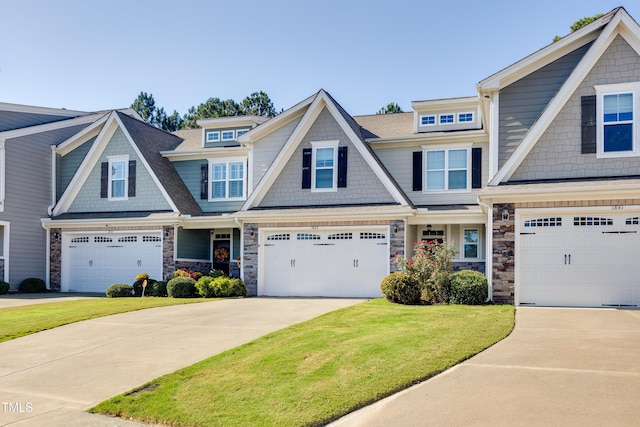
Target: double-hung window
x: 447, y: 169
x: 227, y: 180
x: 118, y: 177
x: 324, y: 172
x: 616, y: 121
x: 470, y: 241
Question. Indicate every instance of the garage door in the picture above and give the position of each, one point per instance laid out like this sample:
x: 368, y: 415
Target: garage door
x: 580, y: 259
x: 331, y: 263
x: 93, y: 262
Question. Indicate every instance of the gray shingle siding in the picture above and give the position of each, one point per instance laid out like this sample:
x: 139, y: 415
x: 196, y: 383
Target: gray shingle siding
x: 266, y: 149
x: 363, y: 186
x: 69, y: 164
x: 557, y: 154
x: 148, y: 195
x: 522, y: 102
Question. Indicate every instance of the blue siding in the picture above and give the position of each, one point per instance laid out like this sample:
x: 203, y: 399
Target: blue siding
x: 10, y: 120
x: 69, y: 164
x: 190, y: 172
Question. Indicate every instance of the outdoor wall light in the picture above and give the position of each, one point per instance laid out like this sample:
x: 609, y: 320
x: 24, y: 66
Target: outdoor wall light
x: 166, y: 232
x: 56, y: 235
x: 505, y: 213
x: 395, y: 228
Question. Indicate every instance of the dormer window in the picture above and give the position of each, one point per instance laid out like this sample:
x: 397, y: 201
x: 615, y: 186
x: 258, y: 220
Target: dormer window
x: 213, y: 136
x: 446, y: 119
x: 465, y: 117
x: 241, y: 132
x: 427, y: 120
x: 228, y: 135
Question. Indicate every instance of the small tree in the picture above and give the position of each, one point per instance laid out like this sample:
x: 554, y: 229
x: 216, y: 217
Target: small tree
x: 430, y: 266
x: 391, y: 108
x: 580, y: 23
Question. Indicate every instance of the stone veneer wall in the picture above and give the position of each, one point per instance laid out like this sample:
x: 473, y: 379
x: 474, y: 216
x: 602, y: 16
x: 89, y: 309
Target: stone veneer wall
x: 471, y: 265
x: 55, y: 268
x: 168, y: 258
x: 503, y: 255
x: 250, y: 255
x: 199, y: 266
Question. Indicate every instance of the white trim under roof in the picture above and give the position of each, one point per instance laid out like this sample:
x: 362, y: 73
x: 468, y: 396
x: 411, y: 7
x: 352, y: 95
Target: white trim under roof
x: 30, y: 109
x: 234, y: 120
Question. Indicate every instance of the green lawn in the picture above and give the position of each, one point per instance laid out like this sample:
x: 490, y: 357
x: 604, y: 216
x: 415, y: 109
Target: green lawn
x: 317, y: 371
x: 17, y: 322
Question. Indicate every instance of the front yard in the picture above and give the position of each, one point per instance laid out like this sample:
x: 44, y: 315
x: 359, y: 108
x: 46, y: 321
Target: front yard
x: 317, y: 371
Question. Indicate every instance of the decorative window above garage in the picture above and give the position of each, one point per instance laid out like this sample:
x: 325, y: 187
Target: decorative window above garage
x: 324, y: 166
x: 118, y: 178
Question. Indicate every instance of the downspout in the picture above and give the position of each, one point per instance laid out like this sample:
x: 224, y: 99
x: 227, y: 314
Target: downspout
x: 47, y: 255
x: 240, y: 226
x: 488, y: 247
x: 54, y: 173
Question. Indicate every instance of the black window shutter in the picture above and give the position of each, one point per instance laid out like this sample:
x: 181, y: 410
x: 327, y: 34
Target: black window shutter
x: 104, y: 180
x: 204, y: 181
x: 476, y: 167
x: 588, y: 124
x: 306, y: 168
x: 417, y: 171
x: 342, y: 167
x: 132, y: 179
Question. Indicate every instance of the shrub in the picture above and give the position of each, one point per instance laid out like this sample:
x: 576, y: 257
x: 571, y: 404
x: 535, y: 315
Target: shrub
x: 137, y: 287
x: 181, y: 287
x: 468, y: 287
x: 221, y: 287
x: 400, y: 287
x: 4, y: 288
x: 33, y: 285
x: 119, y: 290
x: 158, y: 289
x: 216, y: 273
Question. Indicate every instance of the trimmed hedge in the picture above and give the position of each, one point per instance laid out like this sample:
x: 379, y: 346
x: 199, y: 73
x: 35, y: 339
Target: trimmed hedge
x: 159, y: 289
x: 400, y: 288
x: 468, y: 287
x: 4, y: 288
x: 220, y: 287
x: 33, y: 285
x: 119, y: 290
x: 181, y: 287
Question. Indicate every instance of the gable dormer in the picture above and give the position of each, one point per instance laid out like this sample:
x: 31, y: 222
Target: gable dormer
x: 224, y: 131
x: 442, y: 115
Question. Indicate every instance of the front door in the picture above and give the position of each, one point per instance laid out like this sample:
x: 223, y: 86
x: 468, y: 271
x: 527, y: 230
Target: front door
x: 221, y: 255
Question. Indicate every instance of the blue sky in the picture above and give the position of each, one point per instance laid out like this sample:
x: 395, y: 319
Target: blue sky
x: 95, y: 55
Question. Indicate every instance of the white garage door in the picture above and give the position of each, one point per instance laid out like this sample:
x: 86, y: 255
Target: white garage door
x: 93, y: 262
x: 330, y: 263
x: 579, y: 259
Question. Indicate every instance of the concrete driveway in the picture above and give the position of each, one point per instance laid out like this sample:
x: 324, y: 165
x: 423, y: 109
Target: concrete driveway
x: 50, y: 378
x: 570, y: 367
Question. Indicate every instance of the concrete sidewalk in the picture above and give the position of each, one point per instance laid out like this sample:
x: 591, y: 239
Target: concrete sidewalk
x: 570, y: 367
x: 50, y: 378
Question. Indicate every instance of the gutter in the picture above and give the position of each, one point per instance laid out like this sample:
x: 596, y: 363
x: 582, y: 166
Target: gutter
x: 488, y: 258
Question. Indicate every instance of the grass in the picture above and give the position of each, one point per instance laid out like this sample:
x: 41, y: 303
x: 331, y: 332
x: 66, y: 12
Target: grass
x: 314, y: 372
x: 17, y: 322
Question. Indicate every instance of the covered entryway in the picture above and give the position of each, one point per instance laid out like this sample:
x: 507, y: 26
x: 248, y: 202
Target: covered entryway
x: 93, y: 262
x: 580, y: 258
x: 331, y: 262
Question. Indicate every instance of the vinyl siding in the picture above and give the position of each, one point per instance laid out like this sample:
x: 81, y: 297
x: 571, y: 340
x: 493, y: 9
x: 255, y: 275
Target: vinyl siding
x: 148, y: 195
x: 398, y: 162
x: 522, y: 102
x: 557, y: 154
x: 68, y: 165
x: 27, y: 198
x: 363, y: 186
x: 266, y: 149
x: 190, y: 172
x: 194, y: 244
x: 10, y: 120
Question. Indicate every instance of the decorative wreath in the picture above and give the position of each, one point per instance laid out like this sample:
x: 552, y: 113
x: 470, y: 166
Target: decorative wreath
x: 221, y: 254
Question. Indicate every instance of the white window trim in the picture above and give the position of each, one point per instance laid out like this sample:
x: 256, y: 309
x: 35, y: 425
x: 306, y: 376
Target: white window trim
x: 446, y: 148
x: 324, y: 144
x: 240, y: 132
x: 118, y: 159
x: 435, y: 120
x: 233, y: 135
x: 473, y: 117
x: 210, y: 134
x: 3, y: 175
x: 440, y: 116
x: 601, y: 91
x: 227, y: 161
x: 463, y: 243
